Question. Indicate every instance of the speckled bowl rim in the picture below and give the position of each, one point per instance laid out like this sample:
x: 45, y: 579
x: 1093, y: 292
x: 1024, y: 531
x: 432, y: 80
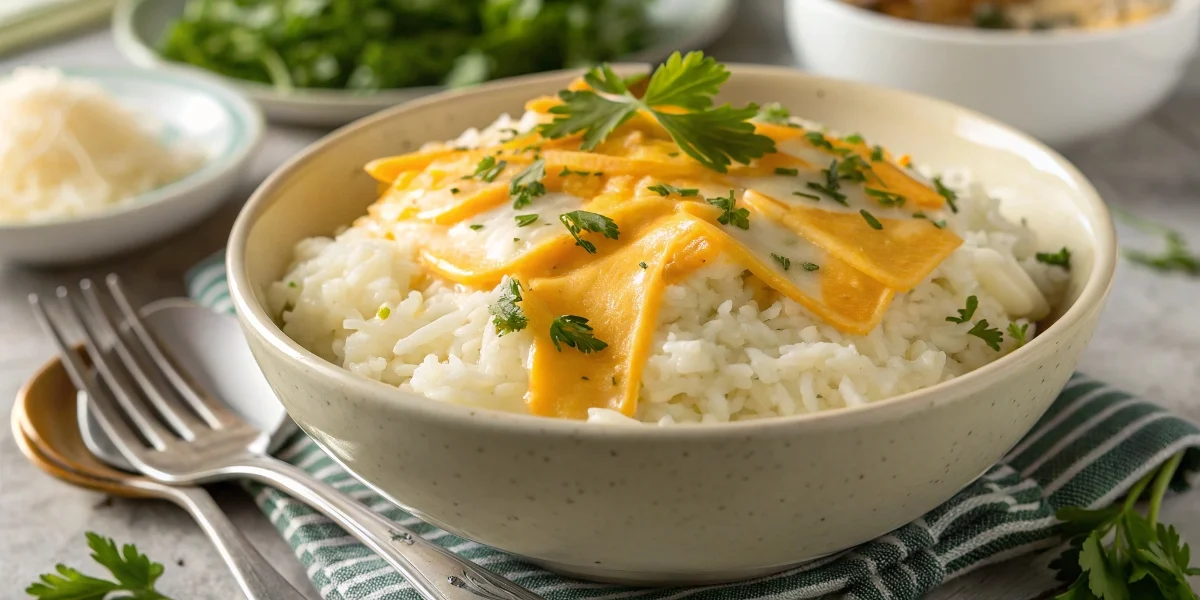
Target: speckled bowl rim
x: 966, y: 36
x: 256, y: 322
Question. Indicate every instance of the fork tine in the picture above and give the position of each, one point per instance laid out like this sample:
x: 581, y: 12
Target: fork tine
x: 108, y: 415
x: 147, y: 425
x: 133, y: 365
x: 212, y: 411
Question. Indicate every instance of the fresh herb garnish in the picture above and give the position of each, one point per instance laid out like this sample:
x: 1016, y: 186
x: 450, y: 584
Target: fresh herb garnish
x: 488, y: 169
x: 853, y: 168
x: 783, y: 261
x: 454, y: 190
x: 576, y: 333
x: 886, y: 198
x: 714, y: 136
x: 965, y: 315
x: 809, y: 196
x: 578, y: 221
x: 134, y: 572
x: 990, y: 16
x: 853, y: 138
x: 643, y: 265
x: 992, y: 337
x: 663, y: 189
x: 811, y: 266
x: 291, y: 284
x: 1017, y: 333
x: 831, y: 186
x: 476, y: 227
x: 738, y: 217
x: 775, y: 114
x: 567, y: 171
x: 870, y: 219
x: 1177, y: 256
x: 946, y: 193
x: 1062, y: 258
x: 506, y: 315
x: 816, y: 138
x: 384, y: 312
x: 877, y: 154
x: 787, y: 171
x: 940, y: 223
x: 528, y: 185
x: 1115, y: 552
x: 525, y: 220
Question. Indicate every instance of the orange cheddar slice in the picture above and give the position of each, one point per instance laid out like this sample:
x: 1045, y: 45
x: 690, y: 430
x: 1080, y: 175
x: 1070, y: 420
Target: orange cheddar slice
x: 617, y: 165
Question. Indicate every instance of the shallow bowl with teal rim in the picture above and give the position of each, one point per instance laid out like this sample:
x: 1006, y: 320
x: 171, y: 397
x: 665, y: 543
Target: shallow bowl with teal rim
x: 138, y: 25
x: 188, y: 110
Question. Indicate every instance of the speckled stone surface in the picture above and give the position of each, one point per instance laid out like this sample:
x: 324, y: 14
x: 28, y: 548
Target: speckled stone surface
x: 1148, y: 341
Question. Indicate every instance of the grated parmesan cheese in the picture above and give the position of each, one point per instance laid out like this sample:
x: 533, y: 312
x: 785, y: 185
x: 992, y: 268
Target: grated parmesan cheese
x: 68, y: 149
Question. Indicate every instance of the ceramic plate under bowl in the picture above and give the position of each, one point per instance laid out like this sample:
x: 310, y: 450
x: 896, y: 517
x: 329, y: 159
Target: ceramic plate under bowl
x: 138, y: 25
x: 193, y: 111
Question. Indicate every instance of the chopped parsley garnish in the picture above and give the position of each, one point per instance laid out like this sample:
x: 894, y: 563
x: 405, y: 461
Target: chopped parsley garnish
x: 854, y: 138
x: 783, y: 261
x: 578, y: 221
x: 715, y: 136
x: 853, y: 168
x: 291, y: 284
x: 811, y: 266
x: 1018, y: 333
x: 488, y: 169
x: 992, y: 337
x: 132, y: 571
x: 663, y: 189
x: 528, y: 185
x: 946, y: 193
x: 738, y: 217
x: 775, y: 114
x: 1062, y: 258
x: 525, y: 220
x: 806, y: 195
x: 1177, y: 257
x: 566, y: 171
x: 831, y: 186
x: 384, y: 312
x: 476, y: 227
x: 672, y: 154
x: 870, y: 219
x: 454, y: 190
x: 877, y: 154
x: 886, y: 198
x: 965, y: 315
x: 816, y: 138
x: 510, y: 132
x: 940, y: 223
x: 576, y: 333
x: 643, y: 265
x: 787, y: 171
x: 506, y: 315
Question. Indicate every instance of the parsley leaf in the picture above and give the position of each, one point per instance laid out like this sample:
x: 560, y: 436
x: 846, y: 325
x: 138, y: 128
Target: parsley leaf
x: 1018, y: 333
x: 578, y: 221
x: 476, y: 227
x: 663, y: 189
x: 992, y: 337
x: 886, y: 198
x: 947, y: 193
x: 715, y: 137
x: 877, y: 154
x: 1062, y: 258
x: 643, y: 265
x: 576, y: 333
x: 134, y: 572
x: 870, y: 219
x: 775, y: 114
x: 811, y: 266
x: 506, y: 315
x: 816, y: 138
x: 738, y: 217
x: 965, y: 315
x: 783, y: 261
x: 832, y: 184
x: 940, y: 223
x: 525, y: 220
x: 527, y: 184
x: 488, y: 169
x: 853, y: 168
x: 787, y: 171
x: 853, y: 138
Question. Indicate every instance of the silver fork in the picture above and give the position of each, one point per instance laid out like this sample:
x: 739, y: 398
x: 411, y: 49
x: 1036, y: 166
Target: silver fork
x: 190, y: 438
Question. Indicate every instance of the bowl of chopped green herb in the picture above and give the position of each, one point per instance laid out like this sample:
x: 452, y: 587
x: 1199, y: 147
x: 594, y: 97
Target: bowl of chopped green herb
x: 328, y: 62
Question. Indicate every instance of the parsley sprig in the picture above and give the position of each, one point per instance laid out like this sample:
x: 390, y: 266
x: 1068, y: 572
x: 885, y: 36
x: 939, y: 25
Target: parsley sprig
x: 134, y: 572
x: 506, y: 315
x: 578, y: 221
x: 731, y: 214
x: 1176, y: 257
x: 715, y: 136
x: 575, y: 332
x: 990, y: 335
x: 1018, y: 333
x: 965, y: 315
x: 488, y: 169
x: 1117, y: 553
x: 528, y: 185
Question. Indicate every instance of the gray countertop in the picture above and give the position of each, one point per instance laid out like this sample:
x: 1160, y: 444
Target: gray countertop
x: 1148, y: 341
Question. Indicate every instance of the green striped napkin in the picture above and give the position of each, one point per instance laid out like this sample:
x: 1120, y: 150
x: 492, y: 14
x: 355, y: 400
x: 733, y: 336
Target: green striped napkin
x: 1087, y: 450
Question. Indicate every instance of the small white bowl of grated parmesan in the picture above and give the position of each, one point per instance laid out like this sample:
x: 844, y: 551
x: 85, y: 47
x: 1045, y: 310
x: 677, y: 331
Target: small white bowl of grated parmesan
x: 96, y: 161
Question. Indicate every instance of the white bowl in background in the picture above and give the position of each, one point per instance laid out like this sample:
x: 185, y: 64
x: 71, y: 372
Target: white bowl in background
x: 1061, y: 86
x: 197, y: 111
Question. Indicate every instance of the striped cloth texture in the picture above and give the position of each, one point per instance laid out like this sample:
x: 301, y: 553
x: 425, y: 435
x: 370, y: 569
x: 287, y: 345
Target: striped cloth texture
x: 1087, y: 450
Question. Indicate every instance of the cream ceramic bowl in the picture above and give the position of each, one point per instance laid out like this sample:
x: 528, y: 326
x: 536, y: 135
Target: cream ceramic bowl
x: 1060, y: 86
x: 688, y: 504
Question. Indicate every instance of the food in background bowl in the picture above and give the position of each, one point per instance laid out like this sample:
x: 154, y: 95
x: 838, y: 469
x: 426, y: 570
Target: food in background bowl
x: 1035, y: 15
x: 606, y: 257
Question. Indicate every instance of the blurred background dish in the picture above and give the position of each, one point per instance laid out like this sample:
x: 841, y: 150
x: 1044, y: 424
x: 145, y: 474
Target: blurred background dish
x: 1029, y: 15
x: 81, y: 192
x: 1061, y: 85
x: 346, y: 59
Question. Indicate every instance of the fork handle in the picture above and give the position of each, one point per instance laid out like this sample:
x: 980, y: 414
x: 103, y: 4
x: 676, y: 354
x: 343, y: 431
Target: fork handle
x: 257, y: 578
x: 436, y: 573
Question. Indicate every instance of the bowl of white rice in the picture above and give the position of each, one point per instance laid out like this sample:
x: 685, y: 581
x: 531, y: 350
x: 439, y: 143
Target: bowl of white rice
x: 733, y: 358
